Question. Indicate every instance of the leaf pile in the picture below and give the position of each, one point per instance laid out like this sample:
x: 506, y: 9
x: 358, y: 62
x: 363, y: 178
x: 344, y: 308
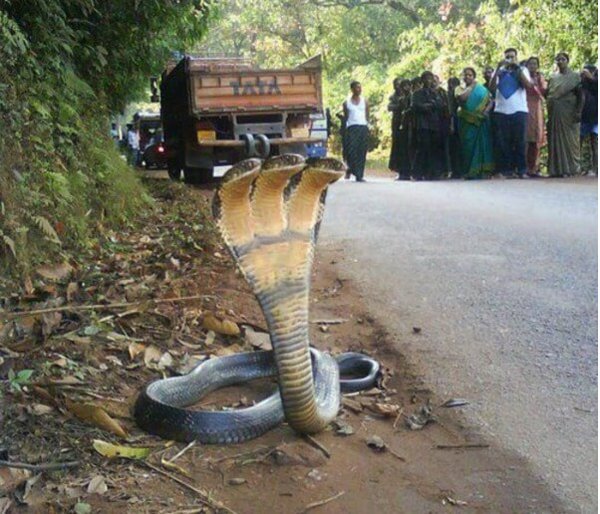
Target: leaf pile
x: 148, y: 303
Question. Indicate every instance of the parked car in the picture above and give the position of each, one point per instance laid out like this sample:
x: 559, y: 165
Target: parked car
x: 155, y: 154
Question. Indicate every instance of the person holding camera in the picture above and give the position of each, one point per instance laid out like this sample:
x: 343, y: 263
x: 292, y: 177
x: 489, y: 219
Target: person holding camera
x: 509, y: 85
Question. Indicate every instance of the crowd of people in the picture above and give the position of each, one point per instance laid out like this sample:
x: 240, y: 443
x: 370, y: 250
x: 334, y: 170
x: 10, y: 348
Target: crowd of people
x: 490, y: 129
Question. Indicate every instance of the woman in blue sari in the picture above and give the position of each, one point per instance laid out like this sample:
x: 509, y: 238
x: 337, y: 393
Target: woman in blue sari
x: 474, y: 127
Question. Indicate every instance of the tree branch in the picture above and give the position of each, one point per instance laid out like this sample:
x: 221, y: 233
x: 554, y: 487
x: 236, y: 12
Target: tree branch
x: 351, y: 4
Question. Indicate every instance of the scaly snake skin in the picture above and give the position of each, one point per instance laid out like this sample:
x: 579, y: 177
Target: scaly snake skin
x: 268, y: 214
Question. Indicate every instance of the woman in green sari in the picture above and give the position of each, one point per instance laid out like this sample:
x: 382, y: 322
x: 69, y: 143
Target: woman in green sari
x: 565, y: 103
x: 474, y: 127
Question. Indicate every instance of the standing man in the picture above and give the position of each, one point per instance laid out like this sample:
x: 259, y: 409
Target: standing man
x: 589, y: 116
x: 509, y: 84
x: 403, y: 158
x: 429, y: 109
x: 356, y: 112
x: 394, y: 108
x: 133, y: 144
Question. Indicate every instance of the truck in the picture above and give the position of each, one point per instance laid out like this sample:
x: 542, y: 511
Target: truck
x: 218, y: 111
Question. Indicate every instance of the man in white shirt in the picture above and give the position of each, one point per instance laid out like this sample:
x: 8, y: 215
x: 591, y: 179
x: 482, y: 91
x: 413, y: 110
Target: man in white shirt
x: 133, y: 143
x: 509, y: 84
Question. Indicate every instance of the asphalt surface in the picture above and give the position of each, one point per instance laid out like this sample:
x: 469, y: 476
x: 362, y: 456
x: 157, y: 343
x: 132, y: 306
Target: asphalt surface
x: 501, y: 276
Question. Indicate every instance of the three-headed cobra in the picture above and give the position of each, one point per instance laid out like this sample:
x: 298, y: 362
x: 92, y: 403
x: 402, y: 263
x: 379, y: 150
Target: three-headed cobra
x: 268, y: 214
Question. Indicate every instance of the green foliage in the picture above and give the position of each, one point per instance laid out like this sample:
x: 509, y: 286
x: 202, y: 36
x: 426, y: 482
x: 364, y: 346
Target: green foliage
x: 19, y: 379
x: 67, y: 65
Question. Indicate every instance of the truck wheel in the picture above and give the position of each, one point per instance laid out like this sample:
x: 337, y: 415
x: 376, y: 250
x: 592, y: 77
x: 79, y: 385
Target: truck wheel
x: 262, y: 146
x: 174, y: 172
x: 249, y: 145
x: 197, y: 175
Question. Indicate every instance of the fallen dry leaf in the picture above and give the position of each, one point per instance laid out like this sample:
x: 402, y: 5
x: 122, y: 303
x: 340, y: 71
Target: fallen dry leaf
x: 68, y: 380
x: 97, y: 485
x: 50, y: 322
x: 96, y: 416
x: 353, y: 405
x: 260, y: 340
x: 77, y: 339
x: 11, y: 478
x: 152, y: 354
x: 387, y: 410
x: 114, y: 359
x: 5, y: 504
x: 28, y: 285
x: 56, y: 272
x: 135, y: 349
x: 225, y: 326
x: 452, y: 501
x: 112, y: 450
x: 115, y: 408
x: 165, y: 361
x: 72, y: 290
x: 210, y: 338
x: 39, y: 409
x: 172, y: 466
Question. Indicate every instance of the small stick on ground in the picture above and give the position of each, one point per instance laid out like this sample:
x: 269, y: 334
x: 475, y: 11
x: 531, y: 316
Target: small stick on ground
x: 398, y: 418
x: 203, y: 497
x: 50, y: 466
x: 313, y: 442
x: 179, y: 454
x: 323, y: 502
x: 198, y: 510
x: 104, y: 306
x: 397, y: 455
x: 460, y: 446
x: 243, y: 454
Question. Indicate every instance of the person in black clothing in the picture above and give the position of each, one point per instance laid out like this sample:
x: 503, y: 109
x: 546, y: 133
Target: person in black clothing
x: 589, y: 115
x: 403, y: 158
x: 488, y: 73
x: 453, y: 138
x: 394, y: 108
x: 429, y: 109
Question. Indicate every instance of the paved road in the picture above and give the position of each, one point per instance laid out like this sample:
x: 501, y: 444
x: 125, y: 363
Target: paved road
x: 502, y: 278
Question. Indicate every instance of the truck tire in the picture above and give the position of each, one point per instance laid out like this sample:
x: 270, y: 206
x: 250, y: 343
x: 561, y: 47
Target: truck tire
x: 262, y: 146
x: 197, y: 175
x: 174, y: 172
x: 249, y: 145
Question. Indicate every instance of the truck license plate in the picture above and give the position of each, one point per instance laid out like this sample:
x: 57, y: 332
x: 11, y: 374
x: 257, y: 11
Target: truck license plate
x: 211, y: 135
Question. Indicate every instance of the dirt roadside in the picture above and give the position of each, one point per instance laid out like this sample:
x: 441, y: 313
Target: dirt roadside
x: 442, y: 467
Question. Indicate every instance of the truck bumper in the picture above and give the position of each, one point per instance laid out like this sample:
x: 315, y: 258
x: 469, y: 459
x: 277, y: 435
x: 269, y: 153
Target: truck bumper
x: 234, y: 143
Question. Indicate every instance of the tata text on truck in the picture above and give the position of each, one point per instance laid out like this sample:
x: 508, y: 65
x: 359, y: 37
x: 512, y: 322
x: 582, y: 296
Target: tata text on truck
x: 216, y: 112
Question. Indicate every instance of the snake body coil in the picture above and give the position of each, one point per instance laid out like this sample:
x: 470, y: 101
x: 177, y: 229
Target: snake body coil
x: 268, y: 214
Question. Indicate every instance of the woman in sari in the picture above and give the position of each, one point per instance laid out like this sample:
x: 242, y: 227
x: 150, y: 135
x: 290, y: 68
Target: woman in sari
x: 536, y: 130
x: 474, y: 127
x: 565, y: 103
